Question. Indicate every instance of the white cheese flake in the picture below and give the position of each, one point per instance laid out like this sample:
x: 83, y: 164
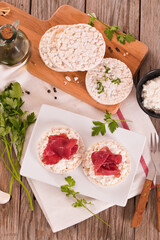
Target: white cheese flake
x: 151, y: 95
x: 68, y: 78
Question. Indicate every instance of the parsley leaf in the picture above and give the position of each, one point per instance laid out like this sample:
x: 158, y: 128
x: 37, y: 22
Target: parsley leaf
x: 111, y: 30
x: 108, y: 33
x: 130, y: 38
x: 116, y: 81
x: 115, y: 28
x: 67, y: 188
x: 113, y: 126
x: 16, y: 91
x: 121, y: 38
x: 91, y: 20
x: 31, y: 118
x: 70, y: 181
x: 99, y: 128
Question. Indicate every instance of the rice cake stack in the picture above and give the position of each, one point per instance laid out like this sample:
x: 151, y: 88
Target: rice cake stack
x: 69, y: 48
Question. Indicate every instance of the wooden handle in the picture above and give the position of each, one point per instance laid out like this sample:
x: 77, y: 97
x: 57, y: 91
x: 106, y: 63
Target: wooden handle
x: 137, y: 218
x: 158, y: 206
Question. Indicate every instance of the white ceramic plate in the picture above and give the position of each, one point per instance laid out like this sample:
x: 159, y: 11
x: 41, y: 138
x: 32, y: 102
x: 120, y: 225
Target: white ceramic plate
x: 49, y: 117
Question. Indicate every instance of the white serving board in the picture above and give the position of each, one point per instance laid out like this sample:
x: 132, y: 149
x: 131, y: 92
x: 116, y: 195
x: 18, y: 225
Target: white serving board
x: 50, y: 117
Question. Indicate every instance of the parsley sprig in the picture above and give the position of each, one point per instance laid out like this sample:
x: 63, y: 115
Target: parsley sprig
x: 13, y: 126
x: 111, y: 30
x: 67, y: 188
x: 100, y: 127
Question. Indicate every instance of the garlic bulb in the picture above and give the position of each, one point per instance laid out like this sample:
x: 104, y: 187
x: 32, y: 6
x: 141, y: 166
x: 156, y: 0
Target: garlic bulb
x: 4, y: 197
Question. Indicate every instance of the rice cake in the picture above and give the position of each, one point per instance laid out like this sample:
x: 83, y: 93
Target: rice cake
x: 103, y: 180
x: 52, y: 49
x: 64, y: 165
x: 81, y: 47
x: 101, y: 81
x: 44, y: 44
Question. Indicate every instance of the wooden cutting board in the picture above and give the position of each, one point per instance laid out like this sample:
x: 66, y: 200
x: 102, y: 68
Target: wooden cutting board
x: 35, y: 28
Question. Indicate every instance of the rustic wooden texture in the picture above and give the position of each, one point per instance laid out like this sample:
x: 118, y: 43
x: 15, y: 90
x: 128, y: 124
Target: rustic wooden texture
x: 35, y: 28
x: 149, y: 34
x: 158, y: 206
x: 10, y: 213
x: 141, y: 19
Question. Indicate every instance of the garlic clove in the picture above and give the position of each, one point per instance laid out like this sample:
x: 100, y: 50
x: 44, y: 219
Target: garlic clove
x: 4, y: 197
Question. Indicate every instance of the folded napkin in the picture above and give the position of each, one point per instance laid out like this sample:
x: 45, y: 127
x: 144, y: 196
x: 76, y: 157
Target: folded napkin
x: 56, y: 207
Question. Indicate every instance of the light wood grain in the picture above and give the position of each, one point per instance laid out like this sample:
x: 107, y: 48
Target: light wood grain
x: 27, y: 217
x: 44, y: 9
x: 9, y: 213
x: 149, y: 34
x: 158, y: 206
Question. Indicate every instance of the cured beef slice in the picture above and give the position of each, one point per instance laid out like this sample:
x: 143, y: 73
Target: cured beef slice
x: 106, y: 163
x: 58, y: 147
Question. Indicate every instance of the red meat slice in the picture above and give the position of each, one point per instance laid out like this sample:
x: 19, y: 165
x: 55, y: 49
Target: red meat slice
x: 115, y: 157
x: 58, y: 147
x: 105, y: 162
x: 99, y: 158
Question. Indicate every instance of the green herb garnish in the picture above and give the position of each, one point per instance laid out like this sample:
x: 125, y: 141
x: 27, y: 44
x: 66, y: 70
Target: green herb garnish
x: 106, y: 69
x: 105, y: 78
x: 100, y: 87
x: 13, y: 126
x: 67, y: 188
x: 121, y: 38
x: 100, y: 127
x: 116, y: 81
x: 111, y: 30
x: 91, y: 20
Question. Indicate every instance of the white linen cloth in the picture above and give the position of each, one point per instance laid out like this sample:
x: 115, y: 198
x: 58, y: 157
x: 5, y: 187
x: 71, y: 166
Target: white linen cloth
x: 56, y: 207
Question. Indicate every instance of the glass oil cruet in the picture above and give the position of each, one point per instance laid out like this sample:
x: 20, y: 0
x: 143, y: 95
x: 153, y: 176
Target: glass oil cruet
x: 14, y: 45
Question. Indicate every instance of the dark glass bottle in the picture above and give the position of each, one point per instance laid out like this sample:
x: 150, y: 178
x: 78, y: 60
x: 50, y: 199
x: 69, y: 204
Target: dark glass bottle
x: 14, y: 45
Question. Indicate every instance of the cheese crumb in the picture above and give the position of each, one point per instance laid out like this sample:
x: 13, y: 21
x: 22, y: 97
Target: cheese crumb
x: 68, y: 78
x: 75, y: 79
x: 151, y: 95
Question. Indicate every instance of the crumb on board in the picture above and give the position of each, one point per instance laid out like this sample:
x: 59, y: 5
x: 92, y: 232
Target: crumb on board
x: 125, y: 54
x: 68, y: 78
x: 65, y: 83
x: 75, y: 79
